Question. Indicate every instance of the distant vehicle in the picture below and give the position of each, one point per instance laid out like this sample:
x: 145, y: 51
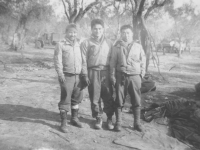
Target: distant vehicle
x: 164, y: 46
x: 172, y: 46
x: 48, y: 39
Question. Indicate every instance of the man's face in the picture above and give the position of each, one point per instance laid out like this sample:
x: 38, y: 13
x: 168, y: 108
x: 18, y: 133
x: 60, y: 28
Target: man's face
x: 97, y: 31
x: 127, y: 35
x: 71, y: 35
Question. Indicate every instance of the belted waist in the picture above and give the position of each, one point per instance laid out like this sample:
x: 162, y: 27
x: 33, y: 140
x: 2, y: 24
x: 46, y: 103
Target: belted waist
x: 126, y: 74
x: 99, y: 68
x: 70, y: 74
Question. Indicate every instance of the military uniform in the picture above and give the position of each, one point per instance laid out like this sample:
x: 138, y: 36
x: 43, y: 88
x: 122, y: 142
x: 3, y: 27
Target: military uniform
x: 128, y: 66
x: 96, y: 57
x: 68, y: 63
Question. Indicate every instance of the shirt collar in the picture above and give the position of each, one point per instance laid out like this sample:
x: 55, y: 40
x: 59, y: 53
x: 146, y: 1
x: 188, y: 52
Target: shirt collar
x: 97, y: 41
x: 68, y: 42
x: 120, y: 42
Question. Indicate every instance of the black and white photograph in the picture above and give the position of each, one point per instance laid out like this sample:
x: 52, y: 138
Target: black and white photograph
x: 99, y: 74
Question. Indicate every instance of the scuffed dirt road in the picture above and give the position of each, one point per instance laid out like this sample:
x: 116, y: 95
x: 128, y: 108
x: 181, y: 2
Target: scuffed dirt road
x: 29, y: 116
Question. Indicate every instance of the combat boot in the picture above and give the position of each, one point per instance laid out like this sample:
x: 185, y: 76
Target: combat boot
x: 74, y: 118
x: 109, y: 123
x: 63, y: 116
x: 98, y: 124
x: 137, y: 125
x: 118, y: 114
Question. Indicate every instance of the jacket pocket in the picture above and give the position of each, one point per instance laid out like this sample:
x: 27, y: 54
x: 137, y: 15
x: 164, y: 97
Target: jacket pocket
x: 66, y: 54
x: 93, y: 51
x: 134, y: 58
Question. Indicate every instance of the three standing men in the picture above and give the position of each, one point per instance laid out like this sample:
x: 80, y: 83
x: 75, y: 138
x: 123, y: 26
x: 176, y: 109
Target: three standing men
x: 91, y: 65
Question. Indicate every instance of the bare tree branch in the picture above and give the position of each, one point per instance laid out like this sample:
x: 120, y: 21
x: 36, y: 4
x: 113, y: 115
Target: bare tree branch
x: 83, y: 12
x: 141, y: 7
x: 81, y: 3
x: 69, y: 6
x: 125, y: 9
x: 136, y: 3
x: 65, y: 9
x: 153, y: 6
x: 108, y: 5
x: 116, y: 7
x: 74, y: 14
x: 90, y: 6
x: 133, y: 4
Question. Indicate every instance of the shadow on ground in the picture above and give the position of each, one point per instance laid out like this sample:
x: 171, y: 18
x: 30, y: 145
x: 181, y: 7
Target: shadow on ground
x: 53, y: 81
x: 21, y: 113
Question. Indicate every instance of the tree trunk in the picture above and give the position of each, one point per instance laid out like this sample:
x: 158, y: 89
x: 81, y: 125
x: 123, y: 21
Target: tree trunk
x: 136, y: 29
x: 18, y: 40
x: 141, y: 35
x: 19, y: 35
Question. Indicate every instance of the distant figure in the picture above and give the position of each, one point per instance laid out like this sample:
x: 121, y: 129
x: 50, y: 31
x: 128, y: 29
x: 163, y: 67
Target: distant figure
x: 171, y: 43
x: 188, y: 46
x: 15, y: 43
x: 182, y: 46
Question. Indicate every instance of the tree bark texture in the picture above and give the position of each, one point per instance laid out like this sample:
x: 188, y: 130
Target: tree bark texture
x: 141, y: 33
x: 19, y: 35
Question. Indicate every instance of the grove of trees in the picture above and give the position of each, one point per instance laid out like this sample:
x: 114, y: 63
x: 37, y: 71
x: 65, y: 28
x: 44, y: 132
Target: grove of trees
x: 153, y: 20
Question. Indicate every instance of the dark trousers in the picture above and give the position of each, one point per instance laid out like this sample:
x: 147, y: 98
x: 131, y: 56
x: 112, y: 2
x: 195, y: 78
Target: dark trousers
x: 100, y: 88
x: 128, y: 84
x: 71, y: 92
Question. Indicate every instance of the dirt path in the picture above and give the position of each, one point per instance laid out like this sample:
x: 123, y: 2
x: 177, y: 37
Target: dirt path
x: 29, y: 93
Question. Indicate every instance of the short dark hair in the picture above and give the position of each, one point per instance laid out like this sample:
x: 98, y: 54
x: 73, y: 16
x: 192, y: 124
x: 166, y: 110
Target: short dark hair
x: 124, y: 27
x: 97, y: 21
x: 70, y: 26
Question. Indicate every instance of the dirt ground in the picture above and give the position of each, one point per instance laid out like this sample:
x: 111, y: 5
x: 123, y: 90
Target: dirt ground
x: 29, y: 116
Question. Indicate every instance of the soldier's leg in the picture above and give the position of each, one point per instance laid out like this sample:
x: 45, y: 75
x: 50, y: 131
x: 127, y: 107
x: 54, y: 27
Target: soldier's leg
x: 106, y: 95
x: 65, y: 100
x: 134, y: 91
x: 77, y: 96
x: 94, y: 90
x: 120, y: 99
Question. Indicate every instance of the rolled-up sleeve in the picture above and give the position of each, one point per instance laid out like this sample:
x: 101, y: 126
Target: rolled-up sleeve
x: 58, y: 60
x: 143, y: 62
x: 84, y: 49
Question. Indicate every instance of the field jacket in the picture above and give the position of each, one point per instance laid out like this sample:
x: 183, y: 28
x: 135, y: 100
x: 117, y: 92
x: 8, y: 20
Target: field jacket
x: 67, y: 58
x: 96, y: 54
x: 128, y: 59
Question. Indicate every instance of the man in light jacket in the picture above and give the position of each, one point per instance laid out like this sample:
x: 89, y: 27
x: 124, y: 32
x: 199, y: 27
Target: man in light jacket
x: 96, y: 53
x: 68, y: 64
x: 127, y: 67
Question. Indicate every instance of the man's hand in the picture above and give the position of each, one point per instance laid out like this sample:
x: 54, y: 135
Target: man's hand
x: 85, y: 80
x: 113, y: 80
x: 61, y: 78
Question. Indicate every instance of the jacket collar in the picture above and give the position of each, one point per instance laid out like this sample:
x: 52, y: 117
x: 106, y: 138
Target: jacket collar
x: 97, y: 41
x: 122, y: 43
x: 68, y: 42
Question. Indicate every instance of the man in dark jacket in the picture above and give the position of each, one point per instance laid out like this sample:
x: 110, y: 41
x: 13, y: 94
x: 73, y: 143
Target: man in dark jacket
x: 96, y: 53
x: 68, y: 64
x: 127, y: 65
